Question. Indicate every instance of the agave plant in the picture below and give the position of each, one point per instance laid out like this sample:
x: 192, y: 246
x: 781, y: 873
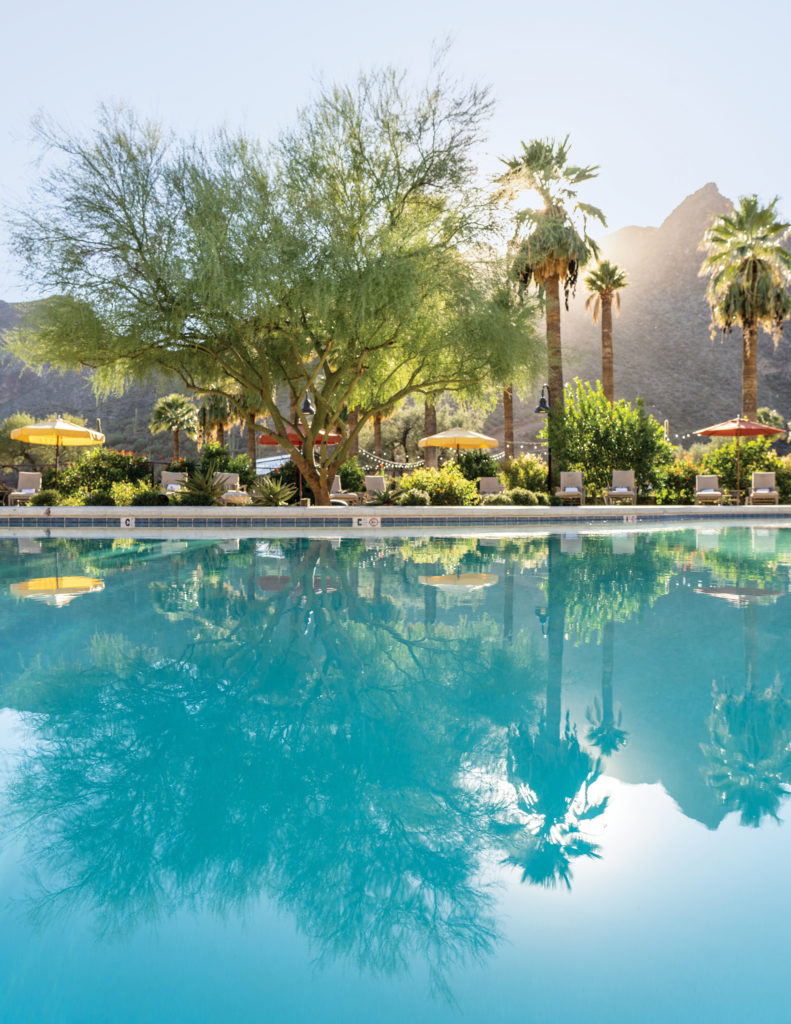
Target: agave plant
x: 202, y: 488
x: 269, y: 491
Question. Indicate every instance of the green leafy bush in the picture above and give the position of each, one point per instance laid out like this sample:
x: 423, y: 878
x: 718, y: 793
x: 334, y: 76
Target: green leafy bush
x: 496, y: 499
x: 99, y: 468
x: 413, y: 496
x: 100, y: 496
x: 218, y: 455
x: 446, y: 486
x: 49, y: 496
x: 528, y: 471
x: 149, y: 496
x: 598, y: 437
x: 677, y: 483
x: 521, y: 496
x: 783, y: 479
x: 181, y: 465
x: 476, y: 464
x: 352, y: 475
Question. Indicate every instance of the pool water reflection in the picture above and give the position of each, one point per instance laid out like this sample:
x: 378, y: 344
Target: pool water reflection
x: 354, y: 780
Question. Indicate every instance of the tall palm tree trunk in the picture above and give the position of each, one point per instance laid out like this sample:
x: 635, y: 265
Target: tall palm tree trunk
x: 176, y: 444
x: 220, y: 433
x: 508, y: 422
x: 608, y: 383
x: 555, y: 375
x: 750, y: 371
x: 430, y: 455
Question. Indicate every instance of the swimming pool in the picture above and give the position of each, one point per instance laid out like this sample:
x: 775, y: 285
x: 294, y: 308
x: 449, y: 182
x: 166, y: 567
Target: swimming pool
x: 431, y: 779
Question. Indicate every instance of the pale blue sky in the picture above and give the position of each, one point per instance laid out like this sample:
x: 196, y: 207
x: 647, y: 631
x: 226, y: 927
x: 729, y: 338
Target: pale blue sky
x: 664, y: 97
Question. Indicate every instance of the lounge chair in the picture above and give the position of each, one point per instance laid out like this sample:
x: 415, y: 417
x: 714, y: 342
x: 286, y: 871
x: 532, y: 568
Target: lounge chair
x: 622, y: 487
x: 27, y: 485
x: 375, y: 485
x: 171, y: 483
x: 707, y: 490
x: 571, y: 489
x: 233, y: 493
x: 763, y: 490
x: 337, y: 493
x: 490, y: 485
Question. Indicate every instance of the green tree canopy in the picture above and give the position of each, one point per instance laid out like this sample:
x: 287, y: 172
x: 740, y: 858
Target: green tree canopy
x: 345, y: 263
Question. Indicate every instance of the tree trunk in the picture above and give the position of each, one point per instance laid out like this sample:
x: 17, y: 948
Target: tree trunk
x: 607, y: 702
x: 508, y: 416
x: 556, y: 632
x: 251, y: 440
x: 354, y: 447
x: 176, y: 444
x: 430, y: 455
x: 508, y: 602
x: 220, y: 433
x: 555, y: 377
x: 608, y: 384
x: 378, y: 435
x: 750, y: 371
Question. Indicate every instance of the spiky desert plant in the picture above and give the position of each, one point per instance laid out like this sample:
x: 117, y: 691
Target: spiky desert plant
x: 272, y: 492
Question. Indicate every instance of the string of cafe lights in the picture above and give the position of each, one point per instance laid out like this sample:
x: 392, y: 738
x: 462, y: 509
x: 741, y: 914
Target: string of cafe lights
x: 373, y: 461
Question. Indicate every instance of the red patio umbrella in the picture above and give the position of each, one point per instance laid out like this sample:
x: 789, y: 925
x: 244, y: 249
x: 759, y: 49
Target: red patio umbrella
x: 739, y: 428
x: 333, y: 437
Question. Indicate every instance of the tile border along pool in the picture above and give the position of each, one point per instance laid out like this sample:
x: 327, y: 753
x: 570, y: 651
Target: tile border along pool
x: 372, y: 518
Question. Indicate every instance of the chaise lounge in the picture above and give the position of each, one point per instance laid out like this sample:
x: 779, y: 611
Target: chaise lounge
x: 763, y: 490
x: 27, y: 485
x: 622, y: 487
x: 707, y: 490
x: 571, y: 489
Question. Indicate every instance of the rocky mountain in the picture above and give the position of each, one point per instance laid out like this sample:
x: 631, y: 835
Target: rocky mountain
x: 662, y: 344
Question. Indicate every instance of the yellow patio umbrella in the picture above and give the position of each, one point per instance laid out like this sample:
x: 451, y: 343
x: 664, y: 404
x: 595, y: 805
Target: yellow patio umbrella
x: 466, y: 440
x: 58, y: 433
x: 57, y: 590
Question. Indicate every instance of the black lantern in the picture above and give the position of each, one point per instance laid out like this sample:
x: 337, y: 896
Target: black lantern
x: 543, y: 402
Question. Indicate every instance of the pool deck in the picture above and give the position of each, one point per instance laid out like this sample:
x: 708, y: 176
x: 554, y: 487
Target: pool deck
x: 353, y: 520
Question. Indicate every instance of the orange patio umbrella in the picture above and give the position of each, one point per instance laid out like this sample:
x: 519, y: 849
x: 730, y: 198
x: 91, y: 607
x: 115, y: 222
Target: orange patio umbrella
x: 738, y: 428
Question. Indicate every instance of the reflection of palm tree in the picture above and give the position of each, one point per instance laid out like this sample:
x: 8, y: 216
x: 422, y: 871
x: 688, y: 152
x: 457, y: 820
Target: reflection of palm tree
x: 552, y: 777
x: 605, y: 732
x: 749, y: 752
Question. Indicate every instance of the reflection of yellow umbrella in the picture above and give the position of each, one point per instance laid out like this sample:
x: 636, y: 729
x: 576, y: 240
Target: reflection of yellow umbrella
x: 460, y: 580
x: 458, y: 439
x: 57, y: 590
x: 58, y: 433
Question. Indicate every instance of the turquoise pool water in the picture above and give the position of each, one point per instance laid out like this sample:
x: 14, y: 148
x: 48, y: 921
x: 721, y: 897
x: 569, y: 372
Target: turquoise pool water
x: 426, y: 780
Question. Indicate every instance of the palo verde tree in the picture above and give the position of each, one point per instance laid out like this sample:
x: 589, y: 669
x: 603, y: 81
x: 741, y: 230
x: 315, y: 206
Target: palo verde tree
x: 750, y: 275
x: 551, y: 243
x: 336, y: 265
x: 604, y: 285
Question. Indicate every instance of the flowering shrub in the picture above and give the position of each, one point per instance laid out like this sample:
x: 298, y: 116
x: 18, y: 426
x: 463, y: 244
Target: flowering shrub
x: 526, y: 471
x: 677, y: 483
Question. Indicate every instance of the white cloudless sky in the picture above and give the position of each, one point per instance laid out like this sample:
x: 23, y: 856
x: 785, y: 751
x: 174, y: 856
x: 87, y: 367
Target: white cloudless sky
x: 665, y: 97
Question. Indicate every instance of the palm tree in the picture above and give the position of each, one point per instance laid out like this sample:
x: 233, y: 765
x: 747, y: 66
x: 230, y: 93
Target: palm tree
x: 554, y: 248
x: 214, y: 415
x: 604, y: 284
x: 750, y: 273
x: 176, y: 413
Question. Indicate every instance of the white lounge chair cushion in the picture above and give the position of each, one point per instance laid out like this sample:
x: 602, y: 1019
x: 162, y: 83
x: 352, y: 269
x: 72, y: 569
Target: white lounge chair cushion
x: 27, y: 490
x: 571, y: 490
x: 758, y: 490
x: 173, y: 487
x: 708, y: 490
x: 620, y: 490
